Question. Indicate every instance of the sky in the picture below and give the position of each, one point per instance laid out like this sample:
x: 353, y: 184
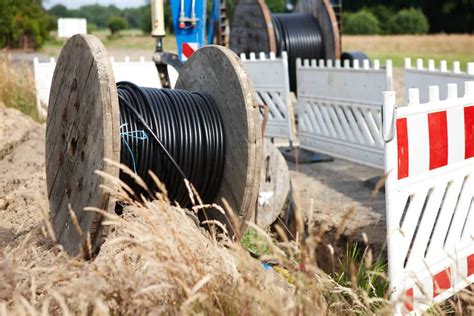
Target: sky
x: 74, y: 4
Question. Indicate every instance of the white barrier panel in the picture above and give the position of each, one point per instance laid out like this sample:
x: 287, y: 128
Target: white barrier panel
x: 429, y: 163
x: 271, y: 82
x: 339, y: 108
x: 43, y: 73
x: 68, y: 27
x: 422, y: 76
x: 142, y: 73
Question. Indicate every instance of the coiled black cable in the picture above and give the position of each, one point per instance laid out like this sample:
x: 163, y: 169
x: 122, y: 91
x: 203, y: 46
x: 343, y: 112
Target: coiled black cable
x: 176, y: 134
x: 300, y: 35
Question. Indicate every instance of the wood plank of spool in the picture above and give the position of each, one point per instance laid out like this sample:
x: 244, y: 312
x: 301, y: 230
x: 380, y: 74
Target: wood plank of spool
x: 82, y: 130
x: 252, y: 28
x: 220, y: 73
x: 274, y: 186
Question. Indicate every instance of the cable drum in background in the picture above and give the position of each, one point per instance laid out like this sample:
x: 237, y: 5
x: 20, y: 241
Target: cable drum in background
x: 299, y: 34
x: 176, y: 134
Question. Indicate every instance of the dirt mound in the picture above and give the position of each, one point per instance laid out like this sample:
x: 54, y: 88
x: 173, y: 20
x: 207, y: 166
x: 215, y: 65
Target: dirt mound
x: 22, y: 178
x: 155, y: 260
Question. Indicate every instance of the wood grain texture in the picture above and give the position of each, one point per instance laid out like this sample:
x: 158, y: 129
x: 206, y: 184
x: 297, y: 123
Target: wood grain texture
x: 274, y: 186
x: 252, y: 28
x: 218, y: 72
x: 82, y: 130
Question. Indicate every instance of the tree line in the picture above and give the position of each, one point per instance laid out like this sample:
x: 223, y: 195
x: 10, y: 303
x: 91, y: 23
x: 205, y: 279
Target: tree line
x: 27, y: 23
x: 448, y: 16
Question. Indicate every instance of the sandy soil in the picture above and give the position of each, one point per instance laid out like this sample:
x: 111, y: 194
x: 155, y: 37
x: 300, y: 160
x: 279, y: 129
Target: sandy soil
x: 22, y: 178
x: 155, y: 258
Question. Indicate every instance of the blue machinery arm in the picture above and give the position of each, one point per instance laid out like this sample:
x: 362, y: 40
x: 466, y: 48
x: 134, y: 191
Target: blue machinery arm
x: 190, y: 24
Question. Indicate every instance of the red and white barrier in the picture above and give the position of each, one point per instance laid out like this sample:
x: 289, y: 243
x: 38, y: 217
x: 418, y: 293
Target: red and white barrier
x: 429, y: 163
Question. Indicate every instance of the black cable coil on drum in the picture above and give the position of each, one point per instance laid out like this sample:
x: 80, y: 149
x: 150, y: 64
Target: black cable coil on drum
x: 300, y: 35
x: 174, y: 133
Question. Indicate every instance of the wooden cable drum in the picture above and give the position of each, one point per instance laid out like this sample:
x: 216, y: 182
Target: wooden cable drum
x: 253, y: 30
x: 275, y: 186
x: 311, y: 32
x: 84, y: 129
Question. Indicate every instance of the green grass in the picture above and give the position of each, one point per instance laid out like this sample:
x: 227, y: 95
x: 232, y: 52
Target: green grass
x: 398, y: 58
x: 126, y: 40
x: 449, y: 47
x: 254, y: 242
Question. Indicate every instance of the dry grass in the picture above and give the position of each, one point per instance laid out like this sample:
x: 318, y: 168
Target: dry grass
x: 396, y: 47
x: 129, y: 41
x: 157, y: 260
x: 17, y: 89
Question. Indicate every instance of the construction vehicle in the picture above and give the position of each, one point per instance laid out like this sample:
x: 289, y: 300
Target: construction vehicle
x: 192, y: 30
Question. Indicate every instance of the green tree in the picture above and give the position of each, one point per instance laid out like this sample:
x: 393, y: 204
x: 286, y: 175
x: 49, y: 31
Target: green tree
x: 361, y: 22
x: 408, y: 21
x: 383, y: 14
x: 60, y: 11
x: 276, y: 6
x: 116, y: 23
x: 23, y: 22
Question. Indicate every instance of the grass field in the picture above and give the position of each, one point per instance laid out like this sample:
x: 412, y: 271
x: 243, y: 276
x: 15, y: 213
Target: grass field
x: 395, y: 47
x: 437, y: 47
x: 127, y: 40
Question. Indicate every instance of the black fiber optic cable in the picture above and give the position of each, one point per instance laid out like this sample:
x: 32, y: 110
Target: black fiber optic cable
x: 300, y: 35
x: 176, y: 134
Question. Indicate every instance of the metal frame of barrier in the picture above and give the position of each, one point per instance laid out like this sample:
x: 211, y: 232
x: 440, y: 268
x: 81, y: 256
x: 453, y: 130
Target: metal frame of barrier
x: 429, y: 165
x: 339, y: 108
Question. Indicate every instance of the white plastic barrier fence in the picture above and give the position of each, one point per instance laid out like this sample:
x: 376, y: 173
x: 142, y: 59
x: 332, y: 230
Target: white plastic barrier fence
x: 429, y: 163
x: 422, y: 76
x: 43, y: 73
x: 142, y: 73
x: 339, y: 108
x: 68, y: 27
x: 272, y: 86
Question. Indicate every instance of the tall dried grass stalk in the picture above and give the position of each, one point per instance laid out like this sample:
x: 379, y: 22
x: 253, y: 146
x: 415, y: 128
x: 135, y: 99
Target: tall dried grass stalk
x: 17, y: 89
x: 157, y: 260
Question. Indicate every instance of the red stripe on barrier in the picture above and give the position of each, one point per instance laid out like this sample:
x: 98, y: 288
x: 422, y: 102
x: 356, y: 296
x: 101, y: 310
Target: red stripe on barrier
x: 441, y: 282
x: 438, y: 131
x: 469, y: 131
x: 470, y: 265
x: 187, y: 50
x: 408, y: 300
x: 402, y: 140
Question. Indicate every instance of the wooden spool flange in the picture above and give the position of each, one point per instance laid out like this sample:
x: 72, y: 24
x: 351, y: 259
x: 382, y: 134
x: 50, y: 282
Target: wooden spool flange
x: 275, y: 186
x: 252, y: 27
x: 83, y: 129
x: 218, y: 72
